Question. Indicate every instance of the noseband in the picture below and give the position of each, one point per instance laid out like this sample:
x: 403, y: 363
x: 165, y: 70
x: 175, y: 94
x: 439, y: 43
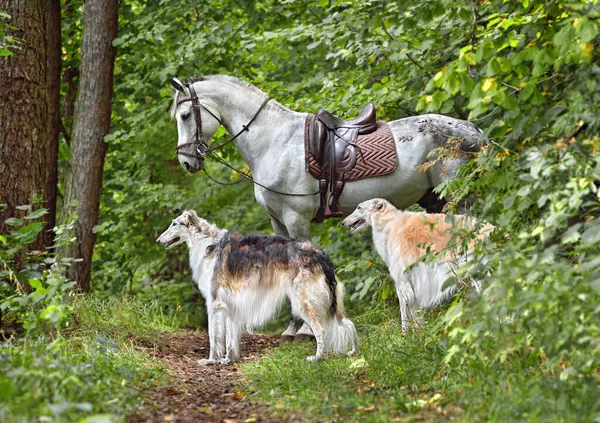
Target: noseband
x: 202, y: 147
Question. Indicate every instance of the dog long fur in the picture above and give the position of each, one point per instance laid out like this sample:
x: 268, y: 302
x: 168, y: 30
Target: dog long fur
x: 401, y: 239
x: 246, y: 278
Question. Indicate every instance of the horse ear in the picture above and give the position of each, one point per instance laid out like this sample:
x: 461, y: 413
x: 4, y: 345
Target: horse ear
x: 178, y: 85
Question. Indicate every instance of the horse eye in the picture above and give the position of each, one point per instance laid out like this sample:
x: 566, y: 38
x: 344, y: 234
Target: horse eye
x: 186, y: 116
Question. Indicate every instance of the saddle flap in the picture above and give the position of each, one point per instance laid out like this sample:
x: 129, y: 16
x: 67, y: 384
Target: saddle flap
x: 317, y: 138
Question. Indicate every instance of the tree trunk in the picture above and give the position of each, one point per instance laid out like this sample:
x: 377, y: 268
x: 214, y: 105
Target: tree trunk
x: 23, y: 111
x: 91, y: 124
x: 71, y: 72
x: 53, y: 83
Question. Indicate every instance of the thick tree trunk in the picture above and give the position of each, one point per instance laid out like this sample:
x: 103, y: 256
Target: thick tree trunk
x: 23, y: 111
x: 91, y: 124
x: 53, y: 83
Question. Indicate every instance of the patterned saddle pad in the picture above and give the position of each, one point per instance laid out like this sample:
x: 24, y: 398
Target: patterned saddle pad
x: 376, y: 154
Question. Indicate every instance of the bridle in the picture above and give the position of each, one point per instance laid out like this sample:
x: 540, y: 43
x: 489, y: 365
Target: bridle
x: 202, y: 147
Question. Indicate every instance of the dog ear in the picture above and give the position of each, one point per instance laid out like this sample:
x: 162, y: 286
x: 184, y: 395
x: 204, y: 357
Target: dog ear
x: 178, y: 85
x: 210, y: 250
x: 191, y: 218
x: 379, y: 205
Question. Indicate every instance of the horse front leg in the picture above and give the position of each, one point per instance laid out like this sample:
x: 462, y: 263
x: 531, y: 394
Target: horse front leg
x: 298, y: 226
x: 278, y: 227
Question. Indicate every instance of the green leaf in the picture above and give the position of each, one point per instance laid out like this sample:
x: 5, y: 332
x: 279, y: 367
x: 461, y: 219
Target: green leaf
x: 37, y: 213
x: 564, y: 37
x: 588, y: 30
x: 13, y: 221
x: 493, y: 67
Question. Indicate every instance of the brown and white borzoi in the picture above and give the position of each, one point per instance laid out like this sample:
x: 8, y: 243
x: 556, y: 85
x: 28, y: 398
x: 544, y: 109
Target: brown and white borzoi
x: 246, y: 278
x: 402, y: 238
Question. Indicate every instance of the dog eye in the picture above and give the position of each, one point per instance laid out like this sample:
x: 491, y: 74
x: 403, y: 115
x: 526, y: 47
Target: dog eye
x: 185, y: 116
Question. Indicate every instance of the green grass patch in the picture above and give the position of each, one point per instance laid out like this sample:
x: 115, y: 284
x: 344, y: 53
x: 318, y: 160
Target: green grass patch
x: 393, y: 376
x: 405, y: 378
x: 95, y: 366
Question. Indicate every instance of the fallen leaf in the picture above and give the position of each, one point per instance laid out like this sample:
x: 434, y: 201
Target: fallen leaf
x: 239, y: 395
x: 168, y: 418
x: 434, y: 398
x: 280, y: 406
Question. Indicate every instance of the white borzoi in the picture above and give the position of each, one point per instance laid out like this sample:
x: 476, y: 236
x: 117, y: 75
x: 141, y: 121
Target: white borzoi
x: 402, y: 238
x: 246, y: 278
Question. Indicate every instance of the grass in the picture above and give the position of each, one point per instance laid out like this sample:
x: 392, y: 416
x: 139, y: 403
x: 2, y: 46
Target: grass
x: 393, y: 376
x: 405, y: 378
x: 95, y: 367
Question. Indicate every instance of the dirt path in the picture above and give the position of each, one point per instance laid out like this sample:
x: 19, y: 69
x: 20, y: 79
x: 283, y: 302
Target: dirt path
x: 202, y: 393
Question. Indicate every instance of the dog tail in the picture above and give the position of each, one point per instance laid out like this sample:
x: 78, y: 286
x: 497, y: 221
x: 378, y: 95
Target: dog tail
x: 340, y: 333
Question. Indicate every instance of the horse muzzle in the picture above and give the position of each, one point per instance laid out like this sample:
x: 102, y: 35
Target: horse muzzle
x: 192, y: 164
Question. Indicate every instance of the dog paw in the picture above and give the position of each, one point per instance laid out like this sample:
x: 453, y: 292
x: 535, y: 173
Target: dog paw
x: 351, y: 353
x: 313, y: 358
x: 207, y: 362
x: 224, y: 361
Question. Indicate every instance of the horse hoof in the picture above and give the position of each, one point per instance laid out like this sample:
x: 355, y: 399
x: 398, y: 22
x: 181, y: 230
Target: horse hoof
x: 304, y: 338
x: 285, y: 339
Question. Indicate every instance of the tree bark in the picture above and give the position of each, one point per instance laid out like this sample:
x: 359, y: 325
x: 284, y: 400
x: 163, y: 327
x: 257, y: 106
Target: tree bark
x: 71, y: 72
x: 23, y: 111
x: 54, y: 53
x: 91, y: 124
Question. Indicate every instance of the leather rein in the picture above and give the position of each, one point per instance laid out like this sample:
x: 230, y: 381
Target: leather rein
x: 202, y: 147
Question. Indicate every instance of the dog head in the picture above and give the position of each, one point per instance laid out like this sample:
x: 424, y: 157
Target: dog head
x: 367, y: 213
x: 185, y: 228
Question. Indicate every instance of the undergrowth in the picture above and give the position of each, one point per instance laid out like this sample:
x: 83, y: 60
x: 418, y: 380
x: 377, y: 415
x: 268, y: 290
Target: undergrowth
x: 399, y: 377
x: 94, y: 369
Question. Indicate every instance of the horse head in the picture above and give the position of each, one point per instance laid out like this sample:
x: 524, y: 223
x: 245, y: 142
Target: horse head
x: 197, y: 121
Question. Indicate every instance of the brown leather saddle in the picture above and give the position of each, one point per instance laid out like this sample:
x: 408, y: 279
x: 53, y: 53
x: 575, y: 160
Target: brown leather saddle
x: 332, y: 149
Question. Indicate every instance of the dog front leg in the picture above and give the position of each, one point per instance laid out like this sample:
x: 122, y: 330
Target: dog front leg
x: 233, y: 341
x: 216, y: 333
x: 405, y: 295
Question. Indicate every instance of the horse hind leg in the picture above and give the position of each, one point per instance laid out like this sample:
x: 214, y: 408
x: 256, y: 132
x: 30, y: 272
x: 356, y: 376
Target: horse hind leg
x: 291, y: 331
x: 305, y: 333
x: 431, y: 202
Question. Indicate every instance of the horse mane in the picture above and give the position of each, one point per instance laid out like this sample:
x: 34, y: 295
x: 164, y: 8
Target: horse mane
x: 273, y: 104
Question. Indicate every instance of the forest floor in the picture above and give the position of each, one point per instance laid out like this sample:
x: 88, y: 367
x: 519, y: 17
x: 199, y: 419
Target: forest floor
x: 203, y: 393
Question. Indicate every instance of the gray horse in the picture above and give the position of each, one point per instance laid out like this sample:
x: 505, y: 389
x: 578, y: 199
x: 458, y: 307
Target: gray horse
x: 273, y: 148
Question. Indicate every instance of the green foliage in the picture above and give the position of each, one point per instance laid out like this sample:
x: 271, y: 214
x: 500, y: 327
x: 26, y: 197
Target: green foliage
x: 98, y: 366
x: 64, y: 357
x: 7, y: 42
x: 405, y: 378
x: 33, y: 283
